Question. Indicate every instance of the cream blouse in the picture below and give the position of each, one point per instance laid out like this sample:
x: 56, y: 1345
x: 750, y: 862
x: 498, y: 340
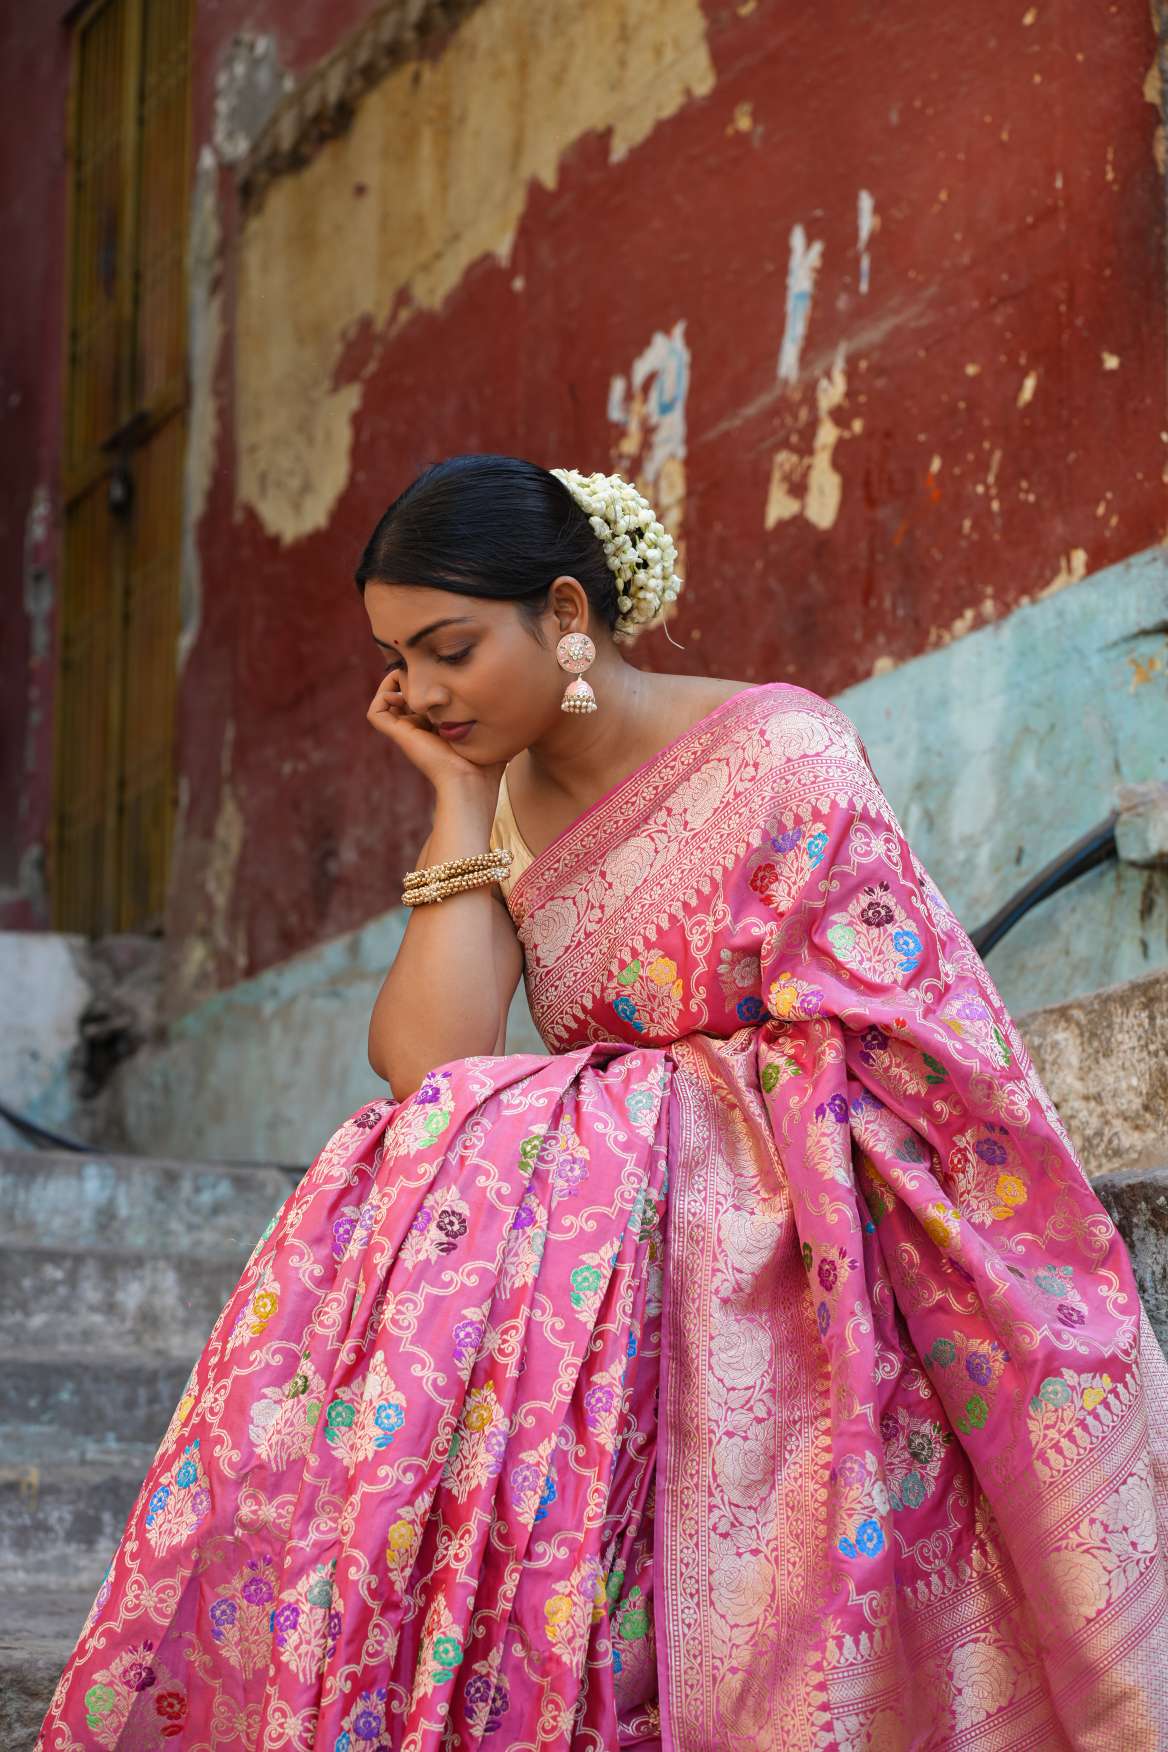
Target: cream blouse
x: 505, y: 833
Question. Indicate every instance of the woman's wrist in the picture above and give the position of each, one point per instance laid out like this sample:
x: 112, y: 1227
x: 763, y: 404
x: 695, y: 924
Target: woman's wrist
x: 463, y: 814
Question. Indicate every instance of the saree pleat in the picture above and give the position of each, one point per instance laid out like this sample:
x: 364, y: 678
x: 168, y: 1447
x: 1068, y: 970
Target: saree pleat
x: 407, y: 1493
x: 758, y: 1372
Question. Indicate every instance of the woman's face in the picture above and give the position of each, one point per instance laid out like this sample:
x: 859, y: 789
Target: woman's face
x: 462, y: 658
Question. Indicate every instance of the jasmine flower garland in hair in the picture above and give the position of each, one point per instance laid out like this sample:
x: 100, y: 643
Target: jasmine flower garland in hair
x: 638, y: 547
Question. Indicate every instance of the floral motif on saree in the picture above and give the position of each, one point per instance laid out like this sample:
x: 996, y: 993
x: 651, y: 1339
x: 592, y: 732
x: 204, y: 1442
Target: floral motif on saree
x: 758, y: 1370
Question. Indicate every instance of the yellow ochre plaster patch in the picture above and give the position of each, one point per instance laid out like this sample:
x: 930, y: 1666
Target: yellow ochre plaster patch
x: 1072, y: 567
x: 432, y: 175
x: 812, y: 485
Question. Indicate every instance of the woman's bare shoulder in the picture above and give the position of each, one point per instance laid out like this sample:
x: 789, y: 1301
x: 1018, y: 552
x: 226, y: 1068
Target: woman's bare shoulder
x: 725, y: 690
x: 702, y: 693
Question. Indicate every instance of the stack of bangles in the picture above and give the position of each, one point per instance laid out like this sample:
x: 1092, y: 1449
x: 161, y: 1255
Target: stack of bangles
x: 439, y: 881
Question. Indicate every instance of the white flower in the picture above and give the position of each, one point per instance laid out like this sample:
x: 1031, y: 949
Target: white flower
x: 639, y: 550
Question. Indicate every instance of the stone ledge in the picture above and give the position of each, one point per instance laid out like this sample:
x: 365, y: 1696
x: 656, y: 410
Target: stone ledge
x: 1104, y: 1061
x: 1137, y: 1202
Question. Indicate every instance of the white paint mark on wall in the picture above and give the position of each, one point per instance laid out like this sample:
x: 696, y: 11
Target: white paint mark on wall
x: 38, y: 582
x: 249, y: 84
x: 867, y: 223
x: 1026, y: 393
x: 650, y: 405
x: 803, y: 265
x: 618, y: 399
x: 660, y: 385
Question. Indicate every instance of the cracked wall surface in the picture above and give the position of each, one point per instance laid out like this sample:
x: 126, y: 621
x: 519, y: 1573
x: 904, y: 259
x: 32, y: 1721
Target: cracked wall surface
x: 433, y: 174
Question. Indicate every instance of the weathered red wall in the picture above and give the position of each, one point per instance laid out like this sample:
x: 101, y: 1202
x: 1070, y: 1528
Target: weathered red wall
x: 996, y: 420
x: 33, y: 85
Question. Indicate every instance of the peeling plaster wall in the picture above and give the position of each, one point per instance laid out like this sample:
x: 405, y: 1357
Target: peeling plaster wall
x: 434, y: 175
x: 877, y: 318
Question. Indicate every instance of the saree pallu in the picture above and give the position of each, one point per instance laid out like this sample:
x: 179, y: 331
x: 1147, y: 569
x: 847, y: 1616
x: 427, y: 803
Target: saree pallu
x: 759, y: 1371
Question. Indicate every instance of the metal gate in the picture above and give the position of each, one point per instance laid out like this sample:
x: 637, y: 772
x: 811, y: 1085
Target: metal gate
x: 125, y: 429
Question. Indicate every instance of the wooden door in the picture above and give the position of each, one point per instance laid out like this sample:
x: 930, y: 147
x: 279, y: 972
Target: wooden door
x: 125, y: 429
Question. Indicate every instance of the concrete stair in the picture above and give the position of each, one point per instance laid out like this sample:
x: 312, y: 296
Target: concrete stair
x: 113, y: 1269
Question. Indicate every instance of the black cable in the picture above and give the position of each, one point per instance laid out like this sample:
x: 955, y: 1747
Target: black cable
x: 1095, y: 847
x: 42, y: 1135
x: 30, y: 1128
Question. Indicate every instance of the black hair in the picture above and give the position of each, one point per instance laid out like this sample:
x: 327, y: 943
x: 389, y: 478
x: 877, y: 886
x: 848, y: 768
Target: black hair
x: 493, y: 526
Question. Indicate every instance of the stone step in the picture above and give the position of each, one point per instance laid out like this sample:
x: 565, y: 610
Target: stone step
x: 86, y: 1395
x: 61, y: 1199
x: 157, y: 1304
x: 1103, y: 1058
x: 65, y: 1520
x: 1137, y: 1201
x: 33, y: 1447
x: 39, y: 1626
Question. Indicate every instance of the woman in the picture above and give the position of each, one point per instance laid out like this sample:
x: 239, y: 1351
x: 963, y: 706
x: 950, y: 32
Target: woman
x: 757, y: 1370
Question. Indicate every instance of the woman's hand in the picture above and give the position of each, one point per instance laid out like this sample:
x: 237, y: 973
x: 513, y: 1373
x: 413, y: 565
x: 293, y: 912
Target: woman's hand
x: 438, y: 759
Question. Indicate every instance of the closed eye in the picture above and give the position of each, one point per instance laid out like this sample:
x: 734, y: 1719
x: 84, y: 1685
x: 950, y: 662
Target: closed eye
x: 454, y: 657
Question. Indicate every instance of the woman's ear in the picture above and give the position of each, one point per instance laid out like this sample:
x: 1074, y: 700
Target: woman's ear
x: 568, y: 601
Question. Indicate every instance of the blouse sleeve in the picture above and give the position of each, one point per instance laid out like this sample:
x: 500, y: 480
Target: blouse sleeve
x: 505, y: 833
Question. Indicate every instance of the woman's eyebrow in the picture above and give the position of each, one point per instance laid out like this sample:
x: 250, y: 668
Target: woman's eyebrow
x: 455, y: 620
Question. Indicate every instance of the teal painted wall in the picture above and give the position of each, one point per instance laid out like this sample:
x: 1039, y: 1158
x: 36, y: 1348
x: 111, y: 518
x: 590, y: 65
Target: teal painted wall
x: 999, y: 750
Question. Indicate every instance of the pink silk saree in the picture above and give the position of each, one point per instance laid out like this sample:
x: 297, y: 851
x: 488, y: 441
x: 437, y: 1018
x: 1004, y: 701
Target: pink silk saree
x: 758, y: 1371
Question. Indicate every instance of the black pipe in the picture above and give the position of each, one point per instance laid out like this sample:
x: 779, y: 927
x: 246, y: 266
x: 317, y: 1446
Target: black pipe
x: 42, y: 1135
x: 1095, y: 847
x: 39, y: 1134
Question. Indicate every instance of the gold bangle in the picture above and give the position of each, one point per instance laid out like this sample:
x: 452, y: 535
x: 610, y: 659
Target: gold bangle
x: 443, y: 890
x: 492, y: 860
x: 421, y: 893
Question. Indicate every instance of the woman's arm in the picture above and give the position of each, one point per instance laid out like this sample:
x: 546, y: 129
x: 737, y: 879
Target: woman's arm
x: 448, y: 992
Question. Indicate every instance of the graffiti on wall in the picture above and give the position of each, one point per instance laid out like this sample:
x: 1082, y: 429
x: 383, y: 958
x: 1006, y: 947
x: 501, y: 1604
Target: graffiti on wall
x: 803, y: 264
x: 807, y: 483
x: 649, y: 407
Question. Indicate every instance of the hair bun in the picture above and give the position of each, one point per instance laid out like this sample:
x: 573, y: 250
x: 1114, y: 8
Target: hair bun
x: 637, y: 546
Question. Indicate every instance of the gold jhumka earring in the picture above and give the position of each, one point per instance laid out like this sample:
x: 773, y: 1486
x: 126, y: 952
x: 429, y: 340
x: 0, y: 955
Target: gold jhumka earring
x: 574, y: 653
